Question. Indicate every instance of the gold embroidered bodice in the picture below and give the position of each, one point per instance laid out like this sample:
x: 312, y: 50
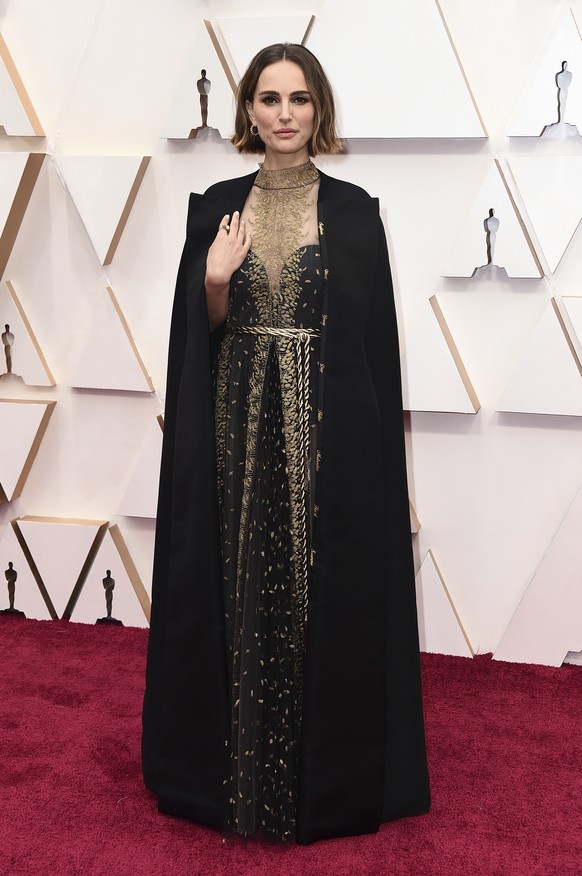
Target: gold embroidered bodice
x: 266, y: 425
x: 281, y: 211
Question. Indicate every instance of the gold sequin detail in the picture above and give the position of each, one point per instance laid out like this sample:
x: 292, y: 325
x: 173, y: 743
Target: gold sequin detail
x: 265, y: 385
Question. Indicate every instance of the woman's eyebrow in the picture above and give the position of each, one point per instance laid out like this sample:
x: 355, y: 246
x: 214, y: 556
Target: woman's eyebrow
x: 293, y: 93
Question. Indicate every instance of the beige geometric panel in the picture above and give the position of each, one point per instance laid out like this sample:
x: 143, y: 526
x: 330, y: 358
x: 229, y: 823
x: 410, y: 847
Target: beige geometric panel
x: 28, y: 597
x: 140, y: 535
x: 17, y: 115
x: 571, y: 313
x: 11, y: 170
x: 103, y: 188
x: 538, y: 106
x: 548, y: 377
x: 548, y: 621
x: 439, y: 626
x: 414, y: 521
x: 131, y: 569
x: 433, y: 375
x: 27, y: 359
x: 127, y: 607
x: 401, y: 55
x: 241, y: 38
x: 551, y: 188
x: 141, y: 496
x: 110, y: 359
x: 22, y: 427
x: 511, y: 248
x: 184, y: 120
x: 60, y: 552
x: 18, y: 174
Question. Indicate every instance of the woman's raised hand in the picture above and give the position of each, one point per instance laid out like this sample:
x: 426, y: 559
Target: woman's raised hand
x: 228, y: 250
x: 227, y: 253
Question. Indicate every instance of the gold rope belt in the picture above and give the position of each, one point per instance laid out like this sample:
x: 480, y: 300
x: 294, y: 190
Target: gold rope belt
x: 299, y: 334
x: 302, y: 338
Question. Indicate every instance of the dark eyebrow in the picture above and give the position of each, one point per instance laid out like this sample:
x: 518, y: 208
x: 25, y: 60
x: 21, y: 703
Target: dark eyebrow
x: 293, y: 93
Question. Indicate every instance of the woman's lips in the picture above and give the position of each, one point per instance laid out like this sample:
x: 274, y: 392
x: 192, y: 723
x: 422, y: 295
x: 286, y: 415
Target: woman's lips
x: 285, y: 133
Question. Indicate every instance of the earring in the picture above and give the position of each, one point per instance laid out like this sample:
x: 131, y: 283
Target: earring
x: 256, y: 131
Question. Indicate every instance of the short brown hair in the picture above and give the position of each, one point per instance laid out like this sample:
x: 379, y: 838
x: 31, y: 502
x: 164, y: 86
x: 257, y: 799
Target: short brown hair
x: 324, y: 140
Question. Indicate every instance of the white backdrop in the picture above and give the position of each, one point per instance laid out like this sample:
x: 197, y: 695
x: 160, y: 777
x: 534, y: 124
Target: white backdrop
x: 490, y: 488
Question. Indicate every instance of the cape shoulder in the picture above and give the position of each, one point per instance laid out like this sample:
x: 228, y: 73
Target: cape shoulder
x: 206, y: 210
x: 333, y: 189
x: 231, y: 188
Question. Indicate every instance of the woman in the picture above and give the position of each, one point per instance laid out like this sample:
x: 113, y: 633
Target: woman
x: 283, y: 689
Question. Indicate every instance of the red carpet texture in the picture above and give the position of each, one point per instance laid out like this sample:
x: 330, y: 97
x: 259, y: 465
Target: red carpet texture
x: 504, y: 741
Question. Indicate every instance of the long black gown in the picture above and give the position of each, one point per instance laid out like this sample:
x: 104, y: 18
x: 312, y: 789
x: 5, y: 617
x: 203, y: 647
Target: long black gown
x: 283, y: 680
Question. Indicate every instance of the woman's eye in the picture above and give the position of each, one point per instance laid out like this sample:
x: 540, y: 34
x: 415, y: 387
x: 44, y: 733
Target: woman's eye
x: 301, y: 99
x: 269, y: 100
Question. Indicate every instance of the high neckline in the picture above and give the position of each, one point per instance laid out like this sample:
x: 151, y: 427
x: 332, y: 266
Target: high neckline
x: 287, y: 177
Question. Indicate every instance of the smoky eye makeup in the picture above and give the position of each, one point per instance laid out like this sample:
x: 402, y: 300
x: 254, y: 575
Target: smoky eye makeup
x: 270, y: 97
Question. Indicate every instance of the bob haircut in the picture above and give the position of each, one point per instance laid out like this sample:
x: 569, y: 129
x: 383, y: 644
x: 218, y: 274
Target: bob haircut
x: 325, y: 140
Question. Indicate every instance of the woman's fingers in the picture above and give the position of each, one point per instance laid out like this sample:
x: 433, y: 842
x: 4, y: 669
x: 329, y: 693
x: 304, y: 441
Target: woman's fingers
x: 238, y: 232
x: 239, y: 227
x: 228, y: 250
x: 234, y: 228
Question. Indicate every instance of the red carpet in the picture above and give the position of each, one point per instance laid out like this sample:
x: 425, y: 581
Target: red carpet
x: 505, y: 744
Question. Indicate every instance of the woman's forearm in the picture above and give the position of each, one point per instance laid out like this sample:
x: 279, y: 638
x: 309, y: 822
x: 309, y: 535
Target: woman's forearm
x: 216, y: 302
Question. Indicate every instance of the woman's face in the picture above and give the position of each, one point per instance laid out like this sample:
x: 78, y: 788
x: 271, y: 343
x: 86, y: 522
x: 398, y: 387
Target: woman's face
x: 283, y: 111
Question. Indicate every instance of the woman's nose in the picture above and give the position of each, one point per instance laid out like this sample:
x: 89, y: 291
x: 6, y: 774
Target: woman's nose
x: 285, y: 111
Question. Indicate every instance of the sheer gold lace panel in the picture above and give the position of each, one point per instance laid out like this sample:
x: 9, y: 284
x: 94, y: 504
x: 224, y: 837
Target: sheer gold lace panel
x: 281, y: 211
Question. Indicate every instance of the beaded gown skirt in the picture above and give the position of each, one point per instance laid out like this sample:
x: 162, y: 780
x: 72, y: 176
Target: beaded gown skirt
x: 266, y: 386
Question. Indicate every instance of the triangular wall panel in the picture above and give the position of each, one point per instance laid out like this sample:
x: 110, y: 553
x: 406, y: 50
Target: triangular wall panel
x: 18, y: 174
x: 141, y: 496
x: 22, y: 427
x: 17, y: 114
x: 406, y: 58
x: 439, y: 626
x: 28, y: 363
x: 551, y: 188
x: 12, y: 166
x: 103, y: 188
x: 414, y: 521
x: 433, y: 375
x: 60, y: 553
x: 27, y: 596
x: 110, y: 358
x: 131, y: 604
x: 570, y: 309
x: 512, y: 249
x: 548, y: 377
x: 537, y: 108
x: 243, y: 36
x: 548, y: 621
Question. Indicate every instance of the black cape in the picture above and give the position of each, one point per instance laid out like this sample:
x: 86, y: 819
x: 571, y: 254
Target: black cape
x: 362, y: 752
